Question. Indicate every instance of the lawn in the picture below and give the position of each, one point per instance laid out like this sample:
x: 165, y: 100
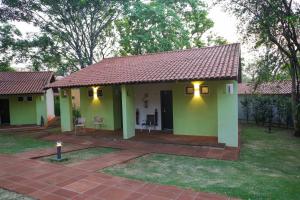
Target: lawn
x: 11, y: 143
x: 79, y: 155
x: 8, y: 195
x: 268, y: 168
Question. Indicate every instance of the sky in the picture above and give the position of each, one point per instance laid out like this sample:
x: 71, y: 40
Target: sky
x: 225, y: 25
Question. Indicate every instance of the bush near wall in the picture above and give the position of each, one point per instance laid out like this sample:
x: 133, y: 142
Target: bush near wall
x: 268, y: 110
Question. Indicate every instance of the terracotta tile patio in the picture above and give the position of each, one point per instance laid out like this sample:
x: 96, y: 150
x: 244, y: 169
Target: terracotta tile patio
x: 190, y: 146
x: 80, y: 180
x: 46, y: 181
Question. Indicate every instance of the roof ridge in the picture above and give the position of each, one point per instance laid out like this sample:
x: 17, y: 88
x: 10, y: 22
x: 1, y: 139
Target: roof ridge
x: 171, y: 51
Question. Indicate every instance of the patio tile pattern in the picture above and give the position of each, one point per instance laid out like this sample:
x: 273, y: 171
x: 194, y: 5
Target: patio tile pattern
x: 57, y: 182
x: 107, y: 160
x: 226, y: 153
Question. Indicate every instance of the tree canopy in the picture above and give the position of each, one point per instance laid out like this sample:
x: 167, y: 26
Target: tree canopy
x: 72, y: 32
x: 160, y: 25
x: 274, y: 24
x: 75, y: 33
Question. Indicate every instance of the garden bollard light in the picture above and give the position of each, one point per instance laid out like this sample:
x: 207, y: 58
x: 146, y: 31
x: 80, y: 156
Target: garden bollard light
x: 58, y: 150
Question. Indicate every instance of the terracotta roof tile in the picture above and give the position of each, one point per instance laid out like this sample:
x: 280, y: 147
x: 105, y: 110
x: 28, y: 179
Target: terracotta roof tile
x: 24, y: 82
x: 219, y: 62
x: 274, y: 87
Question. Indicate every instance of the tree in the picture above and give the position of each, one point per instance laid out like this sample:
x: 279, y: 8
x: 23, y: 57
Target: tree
x: 275, y: 24
x: 5, y: 67
x: 72, y: 29
x: 267, y: 67
x: 213, y: 40
x: 160, y: 25
x: 8, y: 41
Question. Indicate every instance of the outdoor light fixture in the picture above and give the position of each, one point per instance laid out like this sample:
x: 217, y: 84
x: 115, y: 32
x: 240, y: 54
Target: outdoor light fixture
x: 58, y: 157
x: 189, y: 90
x: 204, y: 89
x: 196, y: 88
x: 95, y: 93
x: 58, y: 150
x: 229, y: 88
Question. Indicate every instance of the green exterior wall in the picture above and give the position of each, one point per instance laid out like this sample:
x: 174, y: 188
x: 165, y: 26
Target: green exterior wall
x: 195, y: 115
x: 23, y: 112
x: 66, y: 115
x: 228, y: 114
x: 106, y: 106
x: 128, y: 111
x: 27, y: 112
x: 215, y: 114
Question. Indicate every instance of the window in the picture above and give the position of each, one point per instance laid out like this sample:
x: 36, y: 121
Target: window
x: 90, y: 92
x: 20, y: 99
x: 189, y: 90
x: 99, y: 93
x: 204, y: 89
x: 29, y: 98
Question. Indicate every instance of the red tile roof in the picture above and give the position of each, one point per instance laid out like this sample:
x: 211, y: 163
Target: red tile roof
x: 275, y: 87
x: 24, y: 82
x: 219, y: 62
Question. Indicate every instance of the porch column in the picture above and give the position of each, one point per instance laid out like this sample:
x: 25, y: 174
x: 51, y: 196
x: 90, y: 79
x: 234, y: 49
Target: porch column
x: 41, y: 110
x: 128, y: 111
x: 228, y: 113
x: 66, y: 114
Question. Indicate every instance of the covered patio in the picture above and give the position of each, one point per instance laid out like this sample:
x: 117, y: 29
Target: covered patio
x: 184, y: 97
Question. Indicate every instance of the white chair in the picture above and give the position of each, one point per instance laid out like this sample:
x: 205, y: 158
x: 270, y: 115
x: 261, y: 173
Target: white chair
x: 79, y: 123
x: 149, y: 123
x: 98, y: 121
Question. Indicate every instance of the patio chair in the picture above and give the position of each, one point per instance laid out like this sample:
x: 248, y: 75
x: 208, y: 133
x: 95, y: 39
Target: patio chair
x: 98, y: 121
x: 149, y: 123
x: 79, y: 123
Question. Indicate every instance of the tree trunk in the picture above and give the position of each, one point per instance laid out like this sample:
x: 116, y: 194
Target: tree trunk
x: 295, y: 102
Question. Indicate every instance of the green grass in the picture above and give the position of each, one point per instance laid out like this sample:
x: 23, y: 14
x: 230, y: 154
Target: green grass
x: 79, y: 155
x: 269, y: 168
x: 11, y: 143
x: 8, y: 195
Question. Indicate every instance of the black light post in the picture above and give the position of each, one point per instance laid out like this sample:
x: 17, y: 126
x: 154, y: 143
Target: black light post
x: 58, y: 150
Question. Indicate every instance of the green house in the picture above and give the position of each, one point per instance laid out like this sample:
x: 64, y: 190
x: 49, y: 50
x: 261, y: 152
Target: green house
x: 23, y: 100
x: 187, y: 92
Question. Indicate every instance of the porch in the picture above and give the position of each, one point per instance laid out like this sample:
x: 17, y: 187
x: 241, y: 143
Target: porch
x: 169, y: 111
x: 155, y: 137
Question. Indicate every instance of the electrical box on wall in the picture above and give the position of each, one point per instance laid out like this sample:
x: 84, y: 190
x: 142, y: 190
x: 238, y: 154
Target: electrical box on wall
x: 229, y: 88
